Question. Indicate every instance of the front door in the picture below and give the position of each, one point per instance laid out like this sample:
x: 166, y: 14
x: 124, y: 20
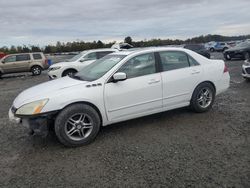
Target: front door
x: 139, y: 94
x: 9, y: 64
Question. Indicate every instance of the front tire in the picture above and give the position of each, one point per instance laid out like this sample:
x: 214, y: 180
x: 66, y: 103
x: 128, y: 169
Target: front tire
x: 212, y: 50
x: 36, y: 70
x: 69, y: 72
x: 77, y: 125
x: 203, y: 97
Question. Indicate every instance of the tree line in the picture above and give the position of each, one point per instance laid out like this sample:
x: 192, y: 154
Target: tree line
x: 76, y: 46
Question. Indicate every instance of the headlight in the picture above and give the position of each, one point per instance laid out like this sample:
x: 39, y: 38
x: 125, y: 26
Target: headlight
x: 32, y: 108
x: 54, y: 68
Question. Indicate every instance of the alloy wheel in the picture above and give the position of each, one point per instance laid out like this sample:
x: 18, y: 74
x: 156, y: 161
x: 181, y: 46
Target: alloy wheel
x: 79, y: 126
x: 205, y: 97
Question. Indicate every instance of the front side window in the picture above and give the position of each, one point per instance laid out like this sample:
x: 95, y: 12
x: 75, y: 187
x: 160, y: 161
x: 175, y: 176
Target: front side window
x: 90, y: 56
x: 9, y: 59
x: 23, y: 57
x: 139, y: 66
x: 98, y: 68
x: 172, y: 60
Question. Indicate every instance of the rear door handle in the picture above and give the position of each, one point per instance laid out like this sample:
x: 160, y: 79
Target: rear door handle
x: 153, y: 81
x: 195, y: 72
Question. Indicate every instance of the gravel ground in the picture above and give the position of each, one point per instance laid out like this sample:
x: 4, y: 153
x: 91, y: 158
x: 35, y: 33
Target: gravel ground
x: 178, y: 148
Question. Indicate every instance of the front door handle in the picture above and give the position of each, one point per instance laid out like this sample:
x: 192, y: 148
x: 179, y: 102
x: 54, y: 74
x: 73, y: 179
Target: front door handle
x: 153, y: 81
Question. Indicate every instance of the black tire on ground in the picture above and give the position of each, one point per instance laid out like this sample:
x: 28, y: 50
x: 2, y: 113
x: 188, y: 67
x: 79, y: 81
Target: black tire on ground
x: 77, y: 137
x: 247, y: 79
x: 197, y: 99
x: 36, y: 70
x: 211, y: 49
x: 247, y: 56
x: 69, y: 72
x: 1, y: 74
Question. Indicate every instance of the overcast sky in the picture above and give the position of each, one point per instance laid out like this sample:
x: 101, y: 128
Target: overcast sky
x: 47, y: 21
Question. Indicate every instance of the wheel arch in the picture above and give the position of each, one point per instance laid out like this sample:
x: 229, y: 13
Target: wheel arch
x: 67, y: 69
x: 87, y: 103
x: 207, y: 81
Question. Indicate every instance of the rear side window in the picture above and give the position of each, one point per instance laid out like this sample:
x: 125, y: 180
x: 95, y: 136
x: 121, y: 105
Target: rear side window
x: 172, y: 60
x: 102, y: 54
x: 139, y: 66
x: 22, y: 57
x: 37, y: 56
x: 192, y: 61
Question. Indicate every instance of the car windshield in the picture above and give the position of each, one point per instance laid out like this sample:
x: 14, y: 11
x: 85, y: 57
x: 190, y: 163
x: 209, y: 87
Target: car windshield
x: 98, y: 68
x: 77, y: 57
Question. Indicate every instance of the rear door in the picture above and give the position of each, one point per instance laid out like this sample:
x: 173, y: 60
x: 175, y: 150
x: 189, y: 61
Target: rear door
x: 22, y: 62
x: 139, y: 94
x: 180, y: 75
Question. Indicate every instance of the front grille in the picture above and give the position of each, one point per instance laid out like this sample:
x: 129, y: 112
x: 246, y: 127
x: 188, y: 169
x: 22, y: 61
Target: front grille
x: 248, y: 70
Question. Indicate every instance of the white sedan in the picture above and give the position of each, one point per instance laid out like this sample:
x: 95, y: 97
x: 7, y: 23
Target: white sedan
x: 119, y: 87
x: 76, y: 63
x: 246, y: 70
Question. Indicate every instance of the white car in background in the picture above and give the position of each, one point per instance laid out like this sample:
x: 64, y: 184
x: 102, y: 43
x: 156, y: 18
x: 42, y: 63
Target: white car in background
x: 119, y: 87
x: 76, y: 63
x: 246, y: 70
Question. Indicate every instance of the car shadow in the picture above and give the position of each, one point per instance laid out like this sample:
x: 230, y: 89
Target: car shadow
x: 15, y: 76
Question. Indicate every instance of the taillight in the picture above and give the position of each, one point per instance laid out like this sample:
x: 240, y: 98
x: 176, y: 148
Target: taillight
x: 225, y: 69
x: 46, y: 62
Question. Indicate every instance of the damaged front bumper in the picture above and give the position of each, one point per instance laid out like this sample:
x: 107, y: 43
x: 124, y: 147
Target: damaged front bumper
x: 38, y: 125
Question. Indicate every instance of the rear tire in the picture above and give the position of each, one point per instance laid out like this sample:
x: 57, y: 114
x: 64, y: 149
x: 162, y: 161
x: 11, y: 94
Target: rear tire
x: 77, y: 125
x: 211, y: 49
x: 203, y: 97
x: 69, y: 72
x: 36, y: 70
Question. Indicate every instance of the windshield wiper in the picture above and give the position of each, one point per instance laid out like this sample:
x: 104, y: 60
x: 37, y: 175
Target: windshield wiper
x: 77, y: 77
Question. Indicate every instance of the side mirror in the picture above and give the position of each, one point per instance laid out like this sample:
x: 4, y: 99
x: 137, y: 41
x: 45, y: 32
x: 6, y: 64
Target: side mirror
x: 119, y: 76
x: 82, y: 60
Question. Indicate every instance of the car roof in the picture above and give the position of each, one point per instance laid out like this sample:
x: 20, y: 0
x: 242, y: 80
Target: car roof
x: 25, y: 53
x: 148, y: 49
x: 100, y: 50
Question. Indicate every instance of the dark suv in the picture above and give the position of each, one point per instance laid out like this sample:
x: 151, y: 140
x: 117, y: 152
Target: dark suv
x: 241, y: 51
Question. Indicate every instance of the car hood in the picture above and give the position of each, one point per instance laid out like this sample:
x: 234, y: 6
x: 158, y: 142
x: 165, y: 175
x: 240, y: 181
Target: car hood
x: 73, y: 63
x: 44, y: 90
x: 63, y: 64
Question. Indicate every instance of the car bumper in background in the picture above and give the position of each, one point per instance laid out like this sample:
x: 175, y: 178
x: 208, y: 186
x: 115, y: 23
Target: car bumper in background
x: 246, y: 71
x: 54, y: 74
